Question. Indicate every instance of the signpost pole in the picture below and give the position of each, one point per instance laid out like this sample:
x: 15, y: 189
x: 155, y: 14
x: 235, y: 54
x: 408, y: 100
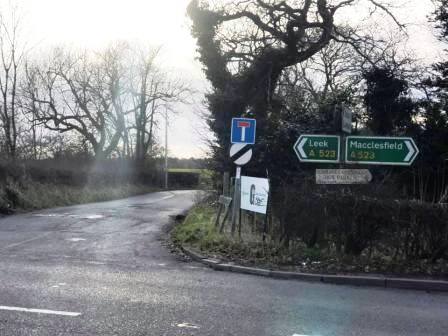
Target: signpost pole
x: 265, y: 224
x: 166, y: 149
x: 225, y: 184
x: 236, y: 198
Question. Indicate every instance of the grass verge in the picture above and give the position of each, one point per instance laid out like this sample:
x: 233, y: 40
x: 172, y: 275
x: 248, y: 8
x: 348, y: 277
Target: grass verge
x: 15, y: 197
x: 198, y: 231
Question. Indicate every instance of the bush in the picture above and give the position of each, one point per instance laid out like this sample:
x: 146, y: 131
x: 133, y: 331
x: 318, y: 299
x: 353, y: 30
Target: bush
x: 183, y: 179
x: 354, y: 222
x: 57, y: 182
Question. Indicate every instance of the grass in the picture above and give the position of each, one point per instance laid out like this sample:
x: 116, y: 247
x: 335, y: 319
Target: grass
x: 198, y: 230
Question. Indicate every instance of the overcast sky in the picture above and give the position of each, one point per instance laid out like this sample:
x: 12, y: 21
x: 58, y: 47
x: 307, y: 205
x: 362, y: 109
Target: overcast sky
x: 95, y: 23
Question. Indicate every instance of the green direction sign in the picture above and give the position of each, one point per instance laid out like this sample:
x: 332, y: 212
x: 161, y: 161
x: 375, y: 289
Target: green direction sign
x: 380, y: 150
x: 318, y: 148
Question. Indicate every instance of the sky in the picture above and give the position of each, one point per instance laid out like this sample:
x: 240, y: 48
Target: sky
x: 96, y: 23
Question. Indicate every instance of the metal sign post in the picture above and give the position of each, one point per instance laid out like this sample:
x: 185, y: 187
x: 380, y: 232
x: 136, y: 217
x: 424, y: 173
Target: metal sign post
x: 236, y: 198
x: 346, y: 119
x: 242, y: 136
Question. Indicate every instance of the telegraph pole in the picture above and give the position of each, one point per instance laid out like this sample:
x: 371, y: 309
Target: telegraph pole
x: 166, y: 148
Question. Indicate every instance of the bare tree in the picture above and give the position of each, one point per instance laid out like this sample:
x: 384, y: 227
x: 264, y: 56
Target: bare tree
x: 12, y: 53
x: 152, y: 91
x: 81, y: 93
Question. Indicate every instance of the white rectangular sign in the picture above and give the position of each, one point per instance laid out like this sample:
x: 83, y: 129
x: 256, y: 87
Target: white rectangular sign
x: 254, y: 194
x: 343, y: 176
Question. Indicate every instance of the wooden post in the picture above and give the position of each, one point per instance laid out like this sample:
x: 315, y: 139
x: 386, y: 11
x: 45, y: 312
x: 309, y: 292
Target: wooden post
x: 218, y: 215
x: 236, y: 199
x: 226, y: 184
x: 226, y: 215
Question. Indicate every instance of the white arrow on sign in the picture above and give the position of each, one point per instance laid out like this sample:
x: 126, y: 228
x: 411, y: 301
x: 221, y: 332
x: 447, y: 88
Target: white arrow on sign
x: 300, y: 147
x: 238, y: 148
x: 411, y: 151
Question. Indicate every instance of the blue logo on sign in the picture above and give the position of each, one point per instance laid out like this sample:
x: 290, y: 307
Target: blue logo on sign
x: 243, y: 130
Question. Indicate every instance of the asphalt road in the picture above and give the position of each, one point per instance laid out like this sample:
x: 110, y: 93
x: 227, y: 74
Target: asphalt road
x: 102, y: 269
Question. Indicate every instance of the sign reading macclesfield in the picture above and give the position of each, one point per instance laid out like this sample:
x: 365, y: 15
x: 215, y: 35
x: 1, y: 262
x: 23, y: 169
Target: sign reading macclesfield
x: 381, y: 150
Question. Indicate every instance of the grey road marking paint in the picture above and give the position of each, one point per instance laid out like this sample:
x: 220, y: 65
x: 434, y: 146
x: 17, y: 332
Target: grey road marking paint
x: 187, y: 325
x: 59, y: 285
x: 75, y: 240
x: 25, y: 241
x: 49, y: 215
x: 40, y: 311
x: 151, y: 202
x: 92, y: 217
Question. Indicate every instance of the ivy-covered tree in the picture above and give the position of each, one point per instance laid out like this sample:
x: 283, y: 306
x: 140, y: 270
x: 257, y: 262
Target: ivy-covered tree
x: 246, y: 45
x: 441, y: 19
x: 389, y: 109
x: 435, y: 135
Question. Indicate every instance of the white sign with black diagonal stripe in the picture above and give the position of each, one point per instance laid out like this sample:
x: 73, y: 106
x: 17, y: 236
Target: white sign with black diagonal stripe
x: 241, y: 154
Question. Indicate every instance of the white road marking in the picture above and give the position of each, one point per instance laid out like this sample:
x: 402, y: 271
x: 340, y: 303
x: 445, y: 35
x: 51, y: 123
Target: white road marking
x: 59, y: 285
x: 187, y: 325
x: 49, y: 215
x: 40, y: 311
x: 75, y: 240
x: 93, y: 217
x: 161, y: 199
x: 94, y: 262
x: 26, y: 241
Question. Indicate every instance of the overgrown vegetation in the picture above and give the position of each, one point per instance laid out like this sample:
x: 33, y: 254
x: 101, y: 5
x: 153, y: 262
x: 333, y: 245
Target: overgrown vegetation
x: 292, y: 65
x: 396, y: 254
x: 26, y: 185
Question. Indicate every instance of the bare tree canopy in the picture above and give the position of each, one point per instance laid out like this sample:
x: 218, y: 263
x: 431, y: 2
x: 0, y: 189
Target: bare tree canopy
x: 110, y: 99
x: 12, y: 52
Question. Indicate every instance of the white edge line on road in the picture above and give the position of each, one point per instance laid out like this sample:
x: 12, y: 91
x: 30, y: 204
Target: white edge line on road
x: 25, y: 241
x: 161, y: 199
x: 40, y: 311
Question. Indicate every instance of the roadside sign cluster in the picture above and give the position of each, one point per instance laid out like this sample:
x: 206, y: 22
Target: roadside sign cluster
x: 252, y: 193
x: 391, y: 151
x: 243, y: 133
